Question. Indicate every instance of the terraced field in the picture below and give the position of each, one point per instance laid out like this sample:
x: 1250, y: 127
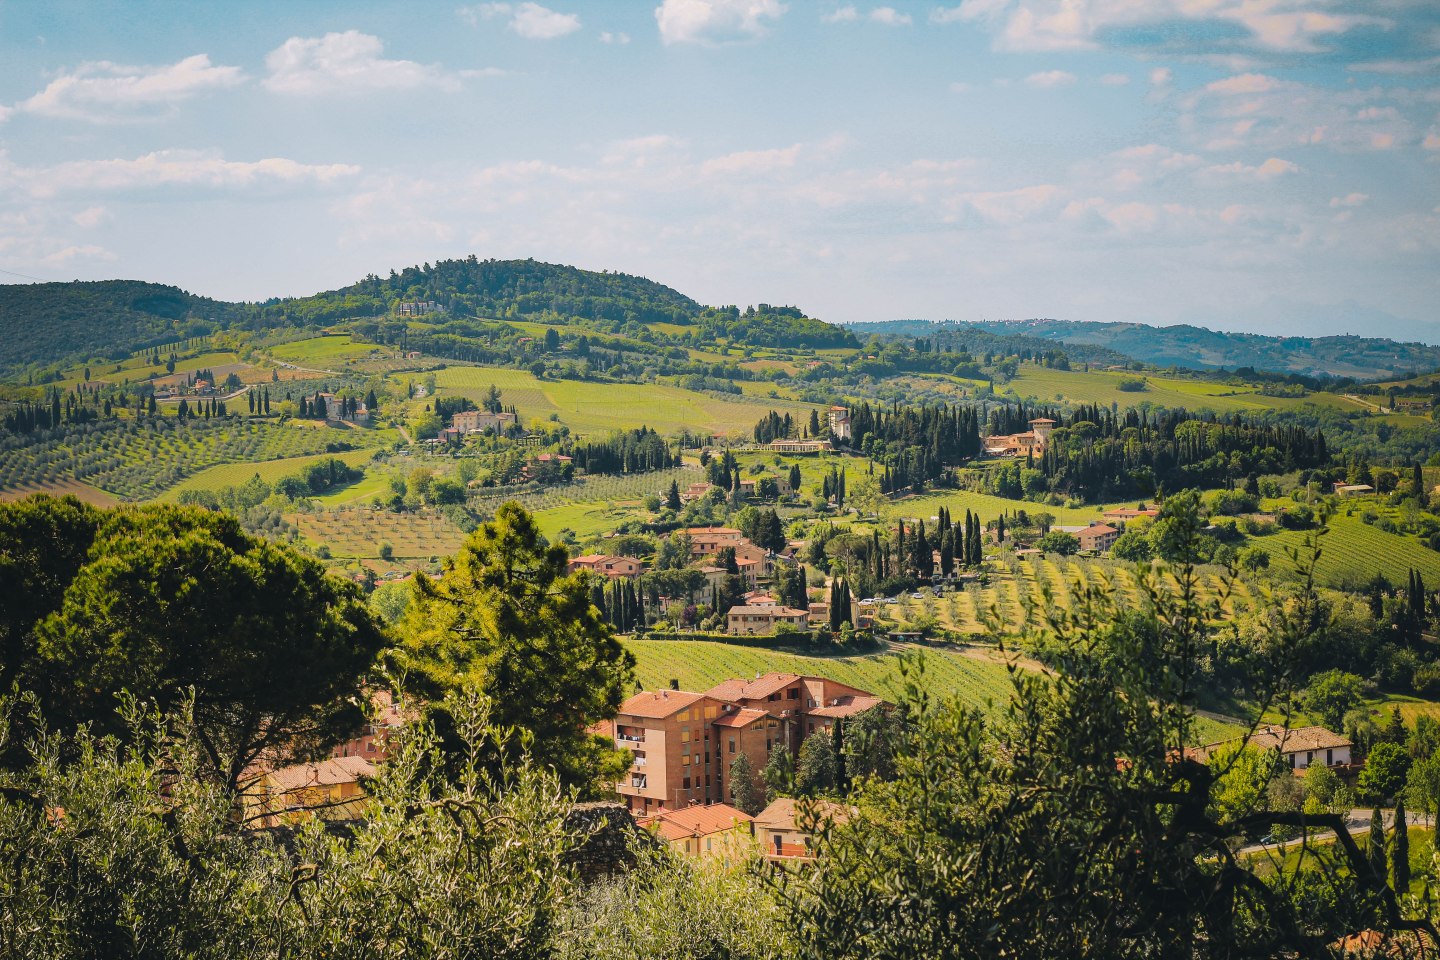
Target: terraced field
x: 359, y: 533
x: 233, y: 474
x: 978, y: 678
x: 1020, y: 598
x: 599, y: 408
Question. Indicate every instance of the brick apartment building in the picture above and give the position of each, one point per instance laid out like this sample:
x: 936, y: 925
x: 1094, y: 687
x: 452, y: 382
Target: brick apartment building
x: 684, y: 743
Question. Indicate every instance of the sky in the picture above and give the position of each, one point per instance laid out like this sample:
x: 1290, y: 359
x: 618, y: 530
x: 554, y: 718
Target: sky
x: 1262, y: 165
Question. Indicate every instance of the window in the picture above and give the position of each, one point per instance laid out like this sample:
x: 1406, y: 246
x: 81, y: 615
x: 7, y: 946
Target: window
x: 792, y: 694
x: 684, y: 715
x: 707, y: 844
x: 685, y: 784
x: 697, y: 759
x: 812, y: 726
x: 732, y: 744
x: 710, y: 712
x: 1329, y: 757
x: 707, y: 758
x: 685, y: 760
x: 684, y: 734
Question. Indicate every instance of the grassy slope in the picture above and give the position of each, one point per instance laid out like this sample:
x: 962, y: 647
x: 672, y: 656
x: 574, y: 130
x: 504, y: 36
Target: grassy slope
x: 598, y: 408
x: 232, y: 474
x: 977, y: 679
x: 988, y: 507
x: 1353, y: 550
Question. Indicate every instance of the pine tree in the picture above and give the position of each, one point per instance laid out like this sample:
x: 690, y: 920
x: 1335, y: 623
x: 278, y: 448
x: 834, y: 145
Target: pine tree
x: 672, y: 498
x: 1400, y: 851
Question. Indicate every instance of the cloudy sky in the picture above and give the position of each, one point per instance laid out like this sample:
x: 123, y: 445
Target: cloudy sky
x: 1271, y: 165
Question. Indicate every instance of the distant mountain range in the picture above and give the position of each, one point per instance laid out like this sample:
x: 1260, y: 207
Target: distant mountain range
x: 1199, y: 348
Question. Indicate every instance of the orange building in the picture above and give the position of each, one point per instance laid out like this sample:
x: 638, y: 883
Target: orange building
x: 683, y: 743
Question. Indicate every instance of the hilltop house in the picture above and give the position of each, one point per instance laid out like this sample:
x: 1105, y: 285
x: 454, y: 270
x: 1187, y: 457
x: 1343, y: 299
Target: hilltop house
x: 764, y: 618
x: 478, y: 421
x: 615, y: 568
x: 1031, y: 441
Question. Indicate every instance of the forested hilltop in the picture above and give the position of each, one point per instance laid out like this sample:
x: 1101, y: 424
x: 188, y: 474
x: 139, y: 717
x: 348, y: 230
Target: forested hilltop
x: 1195, y: 347
x: 47, y: 323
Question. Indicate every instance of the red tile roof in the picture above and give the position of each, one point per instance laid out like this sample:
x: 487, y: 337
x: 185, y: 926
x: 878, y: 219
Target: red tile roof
x: 846, y: 706
x: 323, y: 774
x: 658, y: 704
x: 697, y: 821
x: 741, y: 718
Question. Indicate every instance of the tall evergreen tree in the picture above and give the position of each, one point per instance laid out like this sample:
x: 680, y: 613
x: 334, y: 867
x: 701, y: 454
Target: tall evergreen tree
x: 1400, y: 851
x: 1375, y: 845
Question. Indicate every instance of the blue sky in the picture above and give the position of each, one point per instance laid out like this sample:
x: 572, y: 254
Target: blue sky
x: 1265, y: 165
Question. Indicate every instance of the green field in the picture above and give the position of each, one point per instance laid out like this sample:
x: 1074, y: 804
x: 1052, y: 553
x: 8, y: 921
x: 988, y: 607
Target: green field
x: 599, y: 408
x: 325, y: 349
x: 978, y: 677
x: 233, y: 474
x: 1353, y: 551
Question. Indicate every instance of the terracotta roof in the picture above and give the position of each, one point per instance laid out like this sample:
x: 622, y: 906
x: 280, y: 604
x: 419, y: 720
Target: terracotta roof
x: 658, y: 704
x: 703, y: 531
x: 762, y: 687
x: 782, y: 813
x: 1287, y: 741
x: 697, y: 821
x: 1098, y: 529
x: 846, y: 706
x: 326, y: 773
x: 726, y: 690
x: 740, y: 718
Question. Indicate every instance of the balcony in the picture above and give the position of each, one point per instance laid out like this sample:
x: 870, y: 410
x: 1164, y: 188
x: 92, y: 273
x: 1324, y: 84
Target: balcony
x: 630, y: 737
x: 639, y: 783
x: 639, y: 762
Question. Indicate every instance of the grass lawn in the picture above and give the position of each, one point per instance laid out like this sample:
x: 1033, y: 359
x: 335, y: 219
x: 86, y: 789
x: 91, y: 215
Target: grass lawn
x: 590, y: 408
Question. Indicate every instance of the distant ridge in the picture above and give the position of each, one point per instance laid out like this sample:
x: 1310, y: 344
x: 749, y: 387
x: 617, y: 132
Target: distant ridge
x: 1185, y: 345
x: 51, y: 323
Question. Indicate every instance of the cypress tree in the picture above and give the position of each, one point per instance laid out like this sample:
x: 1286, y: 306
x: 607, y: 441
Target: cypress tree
x: 1375, y: 846
x: 842, y: 775
x: 1400, y: 851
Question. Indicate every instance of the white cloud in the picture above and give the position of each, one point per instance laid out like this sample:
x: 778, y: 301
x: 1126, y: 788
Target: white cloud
x: 619, y: 39
x: 172, y: 168
x: 107, y: 92
x: 1050, y: 78
x: 1260, y: 112
x: 1269, y: 170
x: 1432, y: 141
x: 529, y: 20
x: 715, y: 21
x: 1008, y: 207
x: 1160, y: 76
x: 969, y: 10
x: 846, y: 14
x: 1114, y: 80
x: 91, y: 217
x: 1287, y: 26
x: 752, y: 161
x: 890, y: 17
x: 88, y: 251
x: 1245, y: 83
x: 960, y: 87
x: 1349, y: 200
x: 348, y: 62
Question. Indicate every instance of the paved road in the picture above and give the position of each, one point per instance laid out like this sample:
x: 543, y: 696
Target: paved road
x: 1358, y: 824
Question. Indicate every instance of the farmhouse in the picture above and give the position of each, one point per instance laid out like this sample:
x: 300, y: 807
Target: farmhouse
x: 766, y: 618
x: 478, y: 421
x: 1097, y: 537
x: 1344, y: 490
x: 839, y: 422
x: 683, y: 743
x: 1123, y: 514
x: 616, y: 568
x: 1031, y: 441
x: 1299, y: 747
x: 801, y: 446
x: 696, y: 490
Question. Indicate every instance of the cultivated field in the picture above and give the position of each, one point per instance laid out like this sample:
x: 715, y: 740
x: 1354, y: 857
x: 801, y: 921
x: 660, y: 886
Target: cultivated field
x: 1353, y: 551
x: 319, y: 351
x: 988, y: 507
x: 359, y: 533
x: 1037, y: 586
x: 589, y: 408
